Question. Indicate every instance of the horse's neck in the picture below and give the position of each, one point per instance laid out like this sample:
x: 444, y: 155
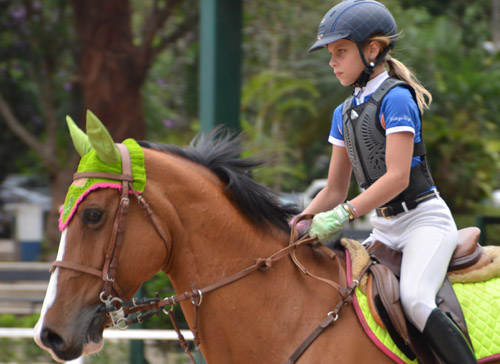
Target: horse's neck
x: 211, y: 236
x: 243, y: 322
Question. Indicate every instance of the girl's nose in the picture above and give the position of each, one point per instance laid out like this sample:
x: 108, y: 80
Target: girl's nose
x: 332, y: 62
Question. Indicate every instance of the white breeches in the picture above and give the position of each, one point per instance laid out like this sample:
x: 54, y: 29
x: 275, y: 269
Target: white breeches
x: 427, y: 237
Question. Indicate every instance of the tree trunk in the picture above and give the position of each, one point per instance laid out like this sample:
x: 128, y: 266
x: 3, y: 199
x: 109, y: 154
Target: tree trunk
x: 59, y: 184
x: 110, y: 74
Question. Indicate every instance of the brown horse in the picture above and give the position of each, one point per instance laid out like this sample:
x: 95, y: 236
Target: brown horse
x: 216, y: 221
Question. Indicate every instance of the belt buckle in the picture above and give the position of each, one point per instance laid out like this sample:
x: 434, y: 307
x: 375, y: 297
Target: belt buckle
x: 385, y: 212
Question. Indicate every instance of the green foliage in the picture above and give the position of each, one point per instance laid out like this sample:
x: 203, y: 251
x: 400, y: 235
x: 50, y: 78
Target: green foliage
x: 170, y: 91
x: 465, y: 166
x: 271, y: 100
x: 461, y: 128
x: 9, y: 320
x: 20, y: 350
x: 160, y: 284
x: 170, y: 95
x: 36, y: 75
x: 288, y: 95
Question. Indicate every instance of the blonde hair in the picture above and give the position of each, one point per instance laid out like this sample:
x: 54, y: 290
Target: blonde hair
x: 398, y: 70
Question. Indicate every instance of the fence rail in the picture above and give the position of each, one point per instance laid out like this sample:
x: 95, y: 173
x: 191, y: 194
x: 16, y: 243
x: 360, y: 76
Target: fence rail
x: 112, y: 334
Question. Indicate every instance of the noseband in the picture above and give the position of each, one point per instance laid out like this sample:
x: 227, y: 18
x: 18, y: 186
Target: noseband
x: 108, y: 273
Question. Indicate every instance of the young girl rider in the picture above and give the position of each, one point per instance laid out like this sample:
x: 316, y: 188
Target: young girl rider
x: 377, y: 135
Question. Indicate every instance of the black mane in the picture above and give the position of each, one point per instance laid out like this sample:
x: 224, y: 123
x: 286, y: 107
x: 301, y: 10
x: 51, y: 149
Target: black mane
x: 221, y: 154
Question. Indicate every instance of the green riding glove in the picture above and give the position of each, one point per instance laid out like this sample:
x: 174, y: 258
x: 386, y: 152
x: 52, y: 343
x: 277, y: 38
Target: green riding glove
x: 326, y: 224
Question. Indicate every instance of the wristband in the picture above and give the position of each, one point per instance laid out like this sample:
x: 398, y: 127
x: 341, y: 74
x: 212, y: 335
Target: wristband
x: 351, y: 210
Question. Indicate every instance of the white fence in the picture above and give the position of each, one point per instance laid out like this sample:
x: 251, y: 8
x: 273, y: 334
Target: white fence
x: 113, y: 334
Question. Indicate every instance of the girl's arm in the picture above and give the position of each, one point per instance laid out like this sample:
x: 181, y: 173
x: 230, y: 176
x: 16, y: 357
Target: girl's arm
x: 335, y: 191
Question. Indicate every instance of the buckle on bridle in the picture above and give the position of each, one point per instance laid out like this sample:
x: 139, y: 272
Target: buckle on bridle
x: 109, y: 279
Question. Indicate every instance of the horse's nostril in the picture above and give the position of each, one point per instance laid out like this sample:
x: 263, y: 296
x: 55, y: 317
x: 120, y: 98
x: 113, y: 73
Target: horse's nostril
x: 61, y: 348
x: 52, y: 340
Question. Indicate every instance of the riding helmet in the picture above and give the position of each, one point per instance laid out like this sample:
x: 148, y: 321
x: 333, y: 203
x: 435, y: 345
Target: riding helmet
x: 355, y: 20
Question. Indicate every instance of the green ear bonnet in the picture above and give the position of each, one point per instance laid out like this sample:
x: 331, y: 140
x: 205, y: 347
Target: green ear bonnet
x: 99, y: 154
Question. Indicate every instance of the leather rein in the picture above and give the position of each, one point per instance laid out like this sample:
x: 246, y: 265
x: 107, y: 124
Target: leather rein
x: 119, y: 310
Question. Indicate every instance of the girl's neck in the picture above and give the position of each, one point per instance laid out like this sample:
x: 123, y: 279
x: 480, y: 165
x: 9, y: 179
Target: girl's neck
x: 361, y: 92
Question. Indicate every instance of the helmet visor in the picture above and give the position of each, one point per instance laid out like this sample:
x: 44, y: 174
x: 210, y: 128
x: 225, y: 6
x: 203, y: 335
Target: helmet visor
x: 323, y: 41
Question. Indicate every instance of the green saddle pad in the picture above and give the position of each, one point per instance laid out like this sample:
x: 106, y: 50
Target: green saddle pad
x: 481, y: 307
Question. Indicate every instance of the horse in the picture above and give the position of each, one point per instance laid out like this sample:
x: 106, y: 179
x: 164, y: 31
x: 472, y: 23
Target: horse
x: 210, y: 221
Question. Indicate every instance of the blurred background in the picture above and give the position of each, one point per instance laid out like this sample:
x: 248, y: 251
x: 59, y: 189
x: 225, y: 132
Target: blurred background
x: 166, y: 70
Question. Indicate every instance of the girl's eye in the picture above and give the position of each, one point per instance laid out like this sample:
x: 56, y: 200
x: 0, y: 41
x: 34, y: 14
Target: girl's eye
x: 341, y: 51
x: 92, y: 216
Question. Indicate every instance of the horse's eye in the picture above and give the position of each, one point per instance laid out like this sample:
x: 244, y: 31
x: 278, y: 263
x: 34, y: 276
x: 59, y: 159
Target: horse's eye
x: 92, y: 216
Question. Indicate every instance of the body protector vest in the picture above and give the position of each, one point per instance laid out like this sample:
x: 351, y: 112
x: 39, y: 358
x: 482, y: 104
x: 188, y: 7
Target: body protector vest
x: 365, y: 142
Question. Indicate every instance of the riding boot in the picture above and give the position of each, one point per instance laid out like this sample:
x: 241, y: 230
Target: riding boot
x: 447, y: 340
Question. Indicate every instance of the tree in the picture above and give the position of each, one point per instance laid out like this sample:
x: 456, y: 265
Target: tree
x: 461, y: 128
x: 103, y: 69
x: 114, y: 62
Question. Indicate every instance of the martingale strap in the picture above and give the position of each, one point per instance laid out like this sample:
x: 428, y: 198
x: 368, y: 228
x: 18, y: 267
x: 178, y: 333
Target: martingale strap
x: 330, y: 318
x: 196, y: 295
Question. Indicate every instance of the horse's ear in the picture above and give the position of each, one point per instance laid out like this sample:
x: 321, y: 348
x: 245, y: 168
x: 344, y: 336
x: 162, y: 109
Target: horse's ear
x: 80, y: 139
x: 100, y: 139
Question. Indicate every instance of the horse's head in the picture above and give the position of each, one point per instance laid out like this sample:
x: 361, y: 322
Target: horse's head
x: 96, y: 261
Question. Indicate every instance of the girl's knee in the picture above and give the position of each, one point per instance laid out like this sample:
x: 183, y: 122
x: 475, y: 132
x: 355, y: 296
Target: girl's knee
x: 417, y: 310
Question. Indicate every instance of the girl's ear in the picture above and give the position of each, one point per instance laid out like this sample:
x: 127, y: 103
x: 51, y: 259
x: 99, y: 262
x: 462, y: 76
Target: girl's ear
x: 374, y: 49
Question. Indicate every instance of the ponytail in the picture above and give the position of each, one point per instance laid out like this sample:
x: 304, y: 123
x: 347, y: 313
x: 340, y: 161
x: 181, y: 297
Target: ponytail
x: 398, y: 70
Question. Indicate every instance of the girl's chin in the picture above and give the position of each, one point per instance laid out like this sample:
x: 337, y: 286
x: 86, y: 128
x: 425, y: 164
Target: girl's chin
x: 344, y: 82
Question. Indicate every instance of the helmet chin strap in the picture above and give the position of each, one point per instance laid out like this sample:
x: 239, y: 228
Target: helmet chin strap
x: 364, y: 77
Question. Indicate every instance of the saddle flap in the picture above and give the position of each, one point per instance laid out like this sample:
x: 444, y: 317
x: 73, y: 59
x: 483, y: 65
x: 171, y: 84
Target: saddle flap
x: 387, y: 288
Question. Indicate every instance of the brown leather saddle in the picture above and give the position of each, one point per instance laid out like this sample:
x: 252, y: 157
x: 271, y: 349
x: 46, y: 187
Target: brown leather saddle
x: 383, y: 293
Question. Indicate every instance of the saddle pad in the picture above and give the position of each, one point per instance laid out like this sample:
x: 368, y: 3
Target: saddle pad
x: 481, y: 306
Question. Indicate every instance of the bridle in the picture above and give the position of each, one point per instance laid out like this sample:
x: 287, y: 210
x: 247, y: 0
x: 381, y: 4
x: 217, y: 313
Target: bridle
x: 108, y: 273
x: 118, y: 310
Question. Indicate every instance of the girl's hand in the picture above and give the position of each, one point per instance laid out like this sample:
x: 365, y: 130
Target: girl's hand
x: 302, y: 226
x: 326, y: 224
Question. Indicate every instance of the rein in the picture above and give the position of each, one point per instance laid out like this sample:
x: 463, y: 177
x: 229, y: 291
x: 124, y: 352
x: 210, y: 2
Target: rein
x: 119, y: 310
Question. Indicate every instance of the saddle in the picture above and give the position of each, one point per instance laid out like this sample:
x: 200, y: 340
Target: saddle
x: 383, y: 293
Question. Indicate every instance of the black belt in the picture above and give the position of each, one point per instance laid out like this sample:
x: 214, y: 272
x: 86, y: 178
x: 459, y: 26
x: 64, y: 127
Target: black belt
x: 394, y: 209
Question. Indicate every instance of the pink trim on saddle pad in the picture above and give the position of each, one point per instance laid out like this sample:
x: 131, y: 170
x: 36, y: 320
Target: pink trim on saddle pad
x: 114, y: 185
x: 489, y: 358
x: 362, y: 320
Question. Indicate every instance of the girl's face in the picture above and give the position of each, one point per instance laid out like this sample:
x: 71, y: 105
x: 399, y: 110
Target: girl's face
x: 346, y: 61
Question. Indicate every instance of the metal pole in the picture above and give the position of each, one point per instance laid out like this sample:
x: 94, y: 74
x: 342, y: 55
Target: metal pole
x: 136, y: 347
x: 495, y: 18
x: 220, y: 63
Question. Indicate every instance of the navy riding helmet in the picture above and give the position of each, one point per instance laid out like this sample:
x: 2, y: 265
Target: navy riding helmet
x: 356, y: 20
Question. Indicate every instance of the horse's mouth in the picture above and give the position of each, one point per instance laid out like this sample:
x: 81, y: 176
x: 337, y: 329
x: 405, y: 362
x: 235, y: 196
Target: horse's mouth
x: 96, y: 328
x: 86, y: 340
